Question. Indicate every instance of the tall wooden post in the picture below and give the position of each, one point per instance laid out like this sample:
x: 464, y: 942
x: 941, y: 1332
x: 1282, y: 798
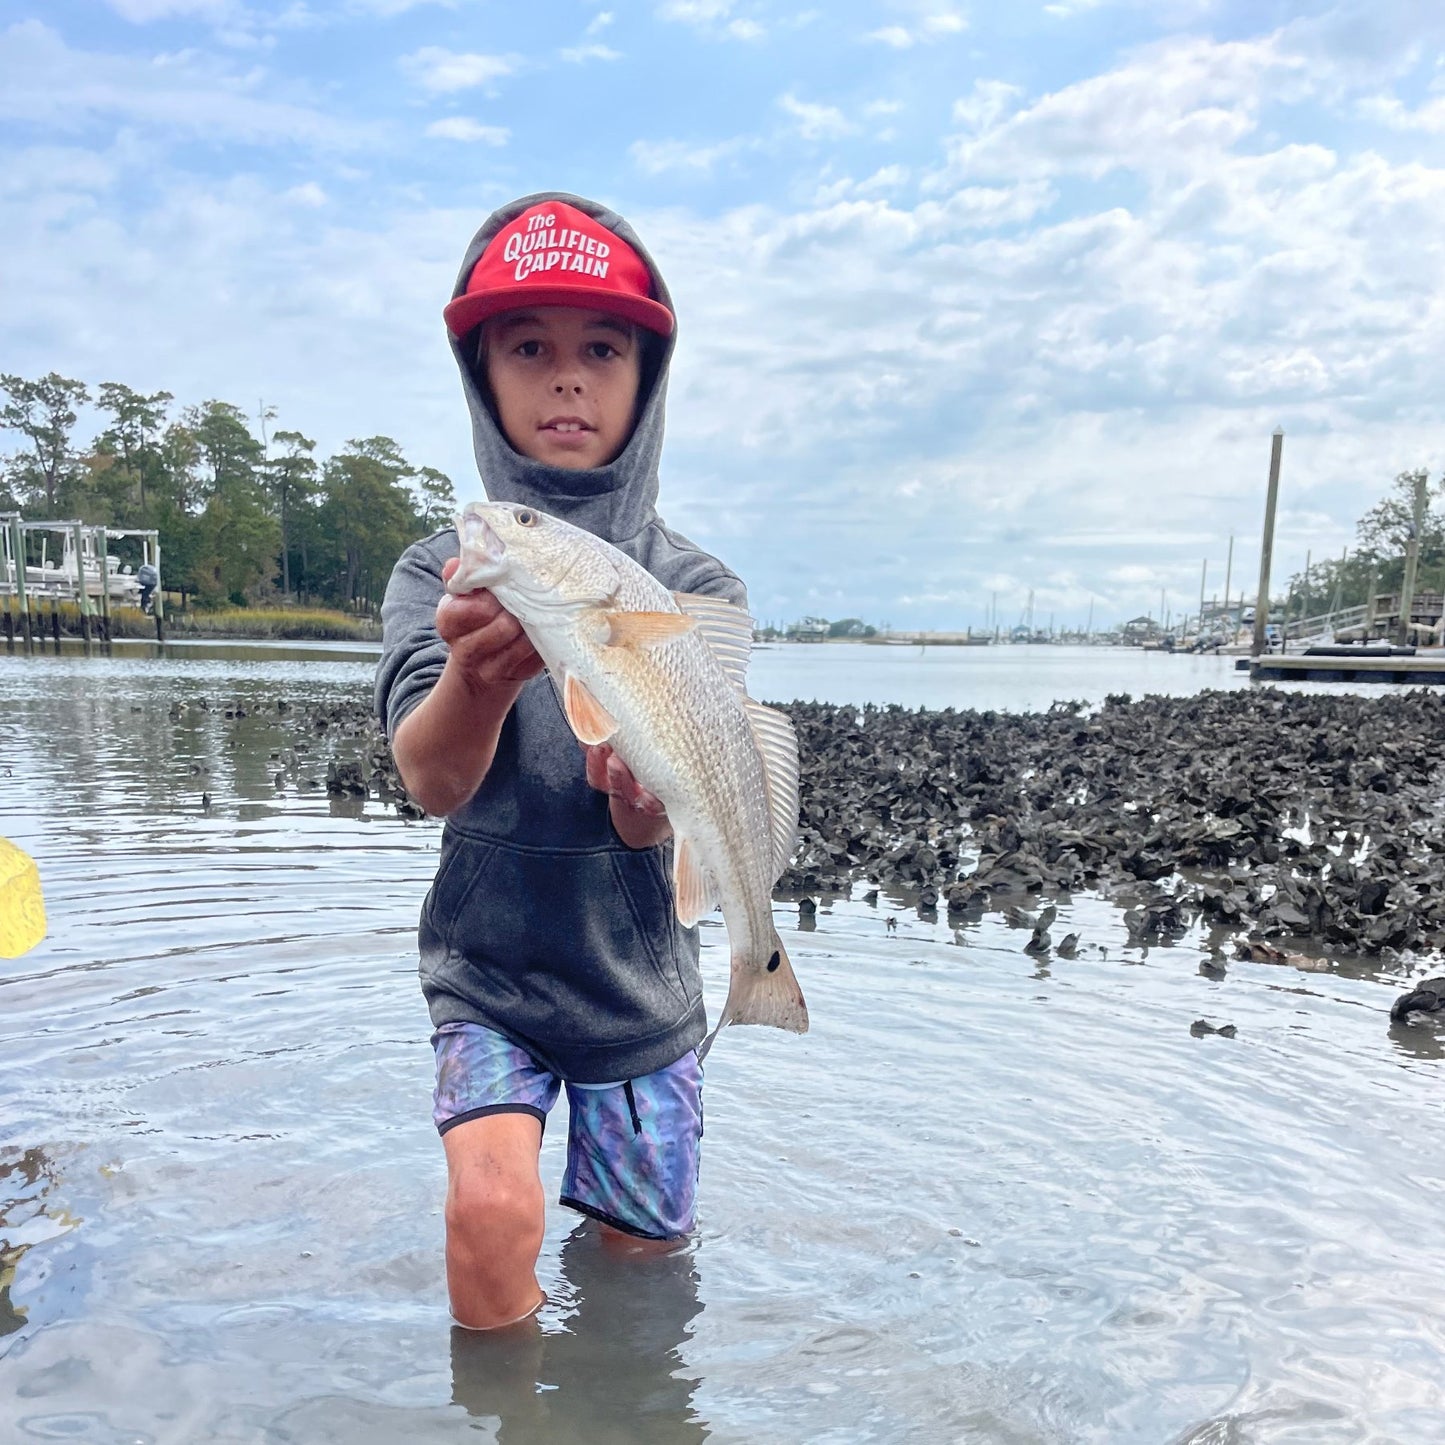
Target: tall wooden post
x: 21, y: 597
x: 102, y: 544
x: 1203, y: 573
x: 1304, y: 606
x: 158, y: 605
x: 1339, y: 586
x: 83, y: 597
x: 1228, y: 578
x: 1412, y: 560
x: 1266, y: 551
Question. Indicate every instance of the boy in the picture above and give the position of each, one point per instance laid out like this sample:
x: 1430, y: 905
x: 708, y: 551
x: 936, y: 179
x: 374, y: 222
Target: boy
x: 550, y: 951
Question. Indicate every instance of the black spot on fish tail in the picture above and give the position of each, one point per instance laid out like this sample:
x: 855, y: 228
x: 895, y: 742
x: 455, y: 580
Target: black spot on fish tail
x: 773, y: 963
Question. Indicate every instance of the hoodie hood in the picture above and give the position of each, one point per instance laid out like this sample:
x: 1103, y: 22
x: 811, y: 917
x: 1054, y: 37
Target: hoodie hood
x: 616, y: 502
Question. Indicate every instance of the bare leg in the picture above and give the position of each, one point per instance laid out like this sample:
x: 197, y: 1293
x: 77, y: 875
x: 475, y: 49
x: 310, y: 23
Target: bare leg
x: 495, y: 1215
x: 618, y: 1242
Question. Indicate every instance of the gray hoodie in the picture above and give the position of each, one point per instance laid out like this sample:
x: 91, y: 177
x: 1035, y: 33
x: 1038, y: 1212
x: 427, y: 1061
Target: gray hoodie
x: 541, y: 923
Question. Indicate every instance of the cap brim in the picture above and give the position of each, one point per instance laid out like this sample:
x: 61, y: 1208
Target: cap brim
x: 466, y: 313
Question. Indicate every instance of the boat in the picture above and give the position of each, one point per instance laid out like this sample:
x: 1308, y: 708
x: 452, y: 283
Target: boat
x: 59, y: 580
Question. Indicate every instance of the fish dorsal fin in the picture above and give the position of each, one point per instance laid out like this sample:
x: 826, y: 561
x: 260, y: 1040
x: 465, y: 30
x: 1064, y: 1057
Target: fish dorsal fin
x: 778, y: 744
x: 591, y: 722
x: 690, y: 889
x: 728, y: 630
x: 645, y: 629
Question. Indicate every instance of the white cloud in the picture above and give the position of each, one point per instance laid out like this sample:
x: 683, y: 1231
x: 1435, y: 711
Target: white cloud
x: 1161, y: 112
x: 579, y: 54
x: 445, y: 71
x: 713, y: 17
x: 945, y: 22
x: 817, y: 122
x: 387, y: 9
x: 1387, y: 110
x: 600, y: 22
x: 45, y: 82
x: 463, y: 128
x: 695, y: 12
x: 929, y: 22
x: 307, y: 194
x: 655, y: 158
x: 990, y: 100
x: 142, y: 12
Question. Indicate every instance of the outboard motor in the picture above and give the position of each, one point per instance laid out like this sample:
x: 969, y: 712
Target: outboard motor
x: 149, y: 579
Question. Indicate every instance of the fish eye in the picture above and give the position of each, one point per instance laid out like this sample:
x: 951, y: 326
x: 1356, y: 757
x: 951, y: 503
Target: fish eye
x: 526, y: 518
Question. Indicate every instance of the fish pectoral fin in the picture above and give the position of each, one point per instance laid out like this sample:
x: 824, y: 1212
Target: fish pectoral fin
x: 645, y: 629
x: 591, y: 722
x: 690, y: 888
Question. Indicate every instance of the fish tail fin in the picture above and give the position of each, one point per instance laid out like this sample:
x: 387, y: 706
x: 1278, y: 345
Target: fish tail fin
x: 763, y: 994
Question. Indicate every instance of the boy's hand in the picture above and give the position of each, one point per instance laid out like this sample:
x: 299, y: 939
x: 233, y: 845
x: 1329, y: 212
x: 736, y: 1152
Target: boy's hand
x: 609, y: 774
x: 487, y: 642
x: 638, y: 816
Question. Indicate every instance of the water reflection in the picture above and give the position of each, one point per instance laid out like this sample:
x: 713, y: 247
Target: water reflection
x: 27, y: 1218
x: 613, y: 1373
x: 1418, y: 1040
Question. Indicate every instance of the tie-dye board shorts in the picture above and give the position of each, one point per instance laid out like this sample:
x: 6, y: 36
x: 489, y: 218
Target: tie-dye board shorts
x: 633, y: 1148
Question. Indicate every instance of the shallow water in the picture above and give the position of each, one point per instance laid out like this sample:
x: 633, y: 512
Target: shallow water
x: 986, y: 1199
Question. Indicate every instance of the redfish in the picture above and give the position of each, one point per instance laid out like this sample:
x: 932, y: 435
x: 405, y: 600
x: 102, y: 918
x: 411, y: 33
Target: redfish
x: 661, y: 677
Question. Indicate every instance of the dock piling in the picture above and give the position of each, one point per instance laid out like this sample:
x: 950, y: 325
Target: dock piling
x: 1412, y: 560
x: 22, y: 597
x: 1261, y: 601
x: 81, y: 595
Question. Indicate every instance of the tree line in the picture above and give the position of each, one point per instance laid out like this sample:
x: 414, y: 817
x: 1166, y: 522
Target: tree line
x: 246, y: 514
x: 1377, y: 562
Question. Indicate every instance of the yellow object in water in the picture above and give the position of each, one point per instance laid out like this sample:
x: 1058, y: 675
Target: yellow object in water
x: 22, y: 908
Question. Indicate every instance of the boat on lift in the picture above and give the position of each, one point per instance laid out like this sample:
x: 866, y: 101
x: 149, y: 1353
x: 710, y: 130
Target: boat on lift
x: 61, y: 579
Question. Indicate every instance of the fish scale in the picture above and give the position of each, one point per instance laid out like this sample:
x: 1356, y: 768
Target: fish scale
x: 634, y: 667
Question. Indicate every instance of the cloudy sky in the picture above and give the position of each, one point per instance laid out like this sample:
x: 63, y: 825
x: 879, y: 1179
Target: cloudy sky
x: 973, y: 299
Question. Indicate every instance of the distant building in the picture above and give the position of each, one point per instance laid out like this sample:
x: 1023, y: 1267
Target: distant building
x: 1140, y: 629
x: 810, y: 629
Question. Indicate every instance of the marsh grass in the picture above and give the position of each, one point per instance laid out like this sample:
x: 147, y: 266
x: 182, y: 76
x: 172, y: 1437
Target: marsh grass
x: 300, y: 624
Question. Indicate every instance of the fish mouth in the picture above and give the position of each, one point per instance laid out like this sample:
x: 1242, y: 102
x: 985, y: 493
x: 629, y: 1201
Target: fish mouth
x: 482, y: 542
x: 483, y: 554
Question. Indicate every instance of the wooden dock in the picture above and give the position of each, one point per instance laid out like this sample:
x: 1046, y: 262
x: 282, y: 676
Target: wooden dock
x: 1425, y: 667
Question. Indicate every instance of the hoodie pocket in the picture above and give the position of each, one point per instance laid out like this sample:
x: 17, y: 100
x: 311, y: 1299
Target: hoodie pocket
x: 643, y: 882
x: 447, y: 903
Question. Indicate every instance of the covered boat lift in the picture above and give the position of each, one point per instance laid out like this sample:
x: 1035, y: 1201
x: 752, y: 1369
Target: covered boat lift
x: 87, y: 574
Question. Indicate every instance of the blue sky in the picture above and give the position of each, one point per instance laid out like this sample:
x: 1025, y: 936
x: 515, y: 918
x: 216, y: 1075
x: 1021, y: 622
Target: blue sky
x: 973, y: 299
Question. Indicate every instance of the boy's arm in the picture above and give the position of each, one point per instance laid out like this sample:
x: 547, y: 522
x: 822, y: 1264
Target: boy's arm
x: 445, y: 745
x: 450, y: 671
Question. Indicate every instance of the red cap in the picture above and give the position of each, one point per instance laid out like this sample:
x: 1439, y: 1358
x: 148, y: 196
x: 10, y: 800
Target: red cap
x: 555, y: 255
